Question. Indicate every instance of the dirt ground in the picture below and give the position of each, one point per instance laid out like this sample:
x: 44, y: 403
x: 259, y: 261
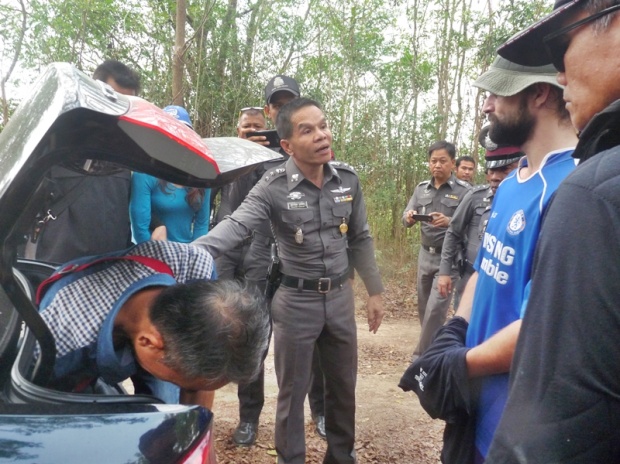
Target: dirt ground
x: 391, y: 427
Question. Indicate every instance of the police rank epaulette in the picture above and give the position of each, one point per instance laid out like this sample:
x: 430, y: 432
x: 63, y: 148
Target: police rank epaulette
x: 274, y: 173
x: 424, y: 182
x: 462, y: 183
x: 478, y: 188
x: 341, y: 165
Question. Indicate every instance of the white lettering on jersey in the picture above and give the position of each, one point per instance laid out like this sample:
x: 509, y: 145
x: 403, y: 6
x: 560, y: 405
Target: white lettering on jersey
x: 500, y: 255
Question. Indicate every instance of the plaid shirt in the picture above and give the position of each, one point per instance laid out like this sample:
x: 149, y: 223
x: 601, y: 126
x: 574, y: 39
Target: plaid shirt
x: 78, y: 308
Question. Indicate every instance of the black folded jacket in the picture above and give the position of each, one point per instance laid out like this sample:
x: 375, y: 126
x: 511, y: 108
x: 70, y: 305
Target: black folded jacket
x: 439, y: 376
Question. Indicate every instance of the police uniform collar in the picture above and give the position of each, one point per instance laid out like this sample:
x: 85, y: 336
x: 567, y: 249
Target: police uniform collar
x: 452, y: 180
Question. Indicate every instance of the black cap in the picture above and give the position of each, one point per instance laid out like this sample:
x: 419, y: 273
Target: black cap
x: 281, y: 84
x: 526, y: 47
x: 496, y: 155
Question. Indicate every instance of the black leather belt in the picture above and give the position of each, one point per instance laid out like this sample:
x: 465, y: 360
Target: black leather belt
x: 322, y: 285
x: 432, y: 250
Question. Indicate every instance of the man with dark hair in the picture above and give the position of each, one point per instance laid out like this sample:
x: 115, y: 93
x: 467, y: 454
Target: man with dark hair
x: 152, y: 311
x: 87, y: 214
x: 318, y: 215
x: 469, y: 220
x: 466, y: 169
x: 524, y: 109
x: 278, y: 91
x: 118, y: 76
x: 563, y: 404
x: 437, y: 198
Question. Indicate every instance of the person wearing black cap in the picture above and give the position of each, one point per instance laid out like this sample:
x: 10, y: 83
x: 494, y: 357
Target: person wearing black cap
x: 564, y: 400
x: 467, y: 224
x: 278, y: 92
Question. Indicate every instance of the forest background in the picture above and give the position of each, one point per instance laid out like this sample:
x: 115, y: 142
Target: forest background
x: 393, y: 75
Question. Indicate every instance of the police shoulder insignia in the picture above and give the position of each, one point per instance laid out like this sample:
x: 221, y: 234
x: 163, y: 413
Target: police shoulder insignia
x: 274, y: 174
x: 341, y: 165
x: 462, y: 183
x: 479, y: 188
x: 424, y: 182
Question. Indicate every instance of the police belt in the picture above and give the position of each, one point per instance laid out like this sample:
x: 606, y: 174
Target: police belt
x: 432, y: 250
x: 322, y: 285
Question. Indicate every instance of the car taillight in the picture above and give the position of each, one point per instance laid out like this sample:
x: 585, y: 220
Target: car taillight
x: 203, y: 451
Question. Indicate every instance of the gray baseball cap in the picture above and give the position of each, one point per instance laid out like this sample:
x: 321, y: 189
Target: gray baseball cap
x: 505, y: 78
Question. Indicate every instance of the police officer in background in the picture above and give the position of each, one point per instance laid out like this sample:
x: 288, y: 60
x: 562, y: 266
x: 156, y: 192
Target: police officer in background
x: 316, y: 209
x: 437, y: 198
x: 467, y: 223
x: 466, y: 169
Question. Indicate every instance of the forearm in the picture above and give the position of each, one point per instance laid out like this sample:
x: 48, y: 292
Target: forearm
x: 140, y: 216
x: 467, y: 299
x: 494, y: 356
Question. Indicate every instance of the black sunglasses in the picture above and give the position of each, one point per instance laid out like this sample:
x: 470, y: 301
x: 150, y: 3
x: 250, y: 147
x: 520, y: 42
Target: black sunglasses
x: 556, y: 44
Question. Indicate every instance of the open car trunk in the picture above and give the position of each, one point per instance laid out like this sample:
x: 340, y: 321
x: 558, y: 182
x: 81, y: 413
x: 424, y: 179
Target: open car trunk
x: 72, y: 121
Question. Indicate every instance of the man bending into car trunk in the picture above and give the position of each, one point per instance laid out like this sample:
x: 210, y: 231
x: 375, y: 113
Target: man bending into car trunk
x: 153, y: 310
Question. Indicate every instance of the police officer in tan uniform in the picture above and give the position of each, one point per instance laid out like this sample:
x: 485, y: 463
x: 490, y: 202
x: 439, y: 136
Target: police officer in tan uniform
x: 437, y: 198
x: 467, y: 224
x: 319, y: 217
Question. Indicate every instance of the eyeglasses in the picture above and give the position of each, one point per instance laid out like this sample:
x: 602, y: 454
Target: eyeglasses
x: 556, y: 43
x: 249, y: 108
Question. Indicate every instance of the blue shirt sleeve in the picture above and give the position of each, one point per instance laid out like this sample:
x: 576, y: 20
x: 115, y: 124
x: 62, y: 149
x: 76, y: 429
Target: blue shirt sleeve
x: 201, y: 222
x: 140, y: 205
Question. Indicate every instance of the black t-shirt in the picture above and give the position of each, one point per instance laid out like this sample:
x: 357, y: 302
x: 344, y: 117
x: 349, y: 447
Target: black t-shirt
x: 95, y: 222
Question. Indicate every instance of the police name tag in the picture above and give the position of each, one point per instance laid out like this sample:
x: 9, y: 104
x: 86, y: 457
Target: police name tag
x: 297, y: 204
x: 343, y: 199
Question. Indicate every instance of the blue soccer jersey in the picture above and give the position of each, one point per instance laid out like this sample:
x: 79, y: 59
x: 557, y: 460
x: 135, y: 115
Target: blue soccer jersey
x: 504, y: 265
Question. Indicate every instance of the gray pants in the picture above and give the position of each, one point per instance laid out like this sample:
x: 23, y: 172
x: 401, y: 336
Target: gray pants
x: 432, y: 307
x: 302, y: 319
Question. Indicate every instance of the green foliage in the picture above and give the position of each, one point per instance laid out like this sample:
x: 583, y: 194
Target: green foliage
x: 393, y: 76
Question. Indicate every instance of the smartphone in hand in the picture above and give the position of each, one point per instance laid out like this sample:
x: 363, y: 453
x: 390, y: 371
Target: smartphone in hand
x: 422, y: 217
x: 272, y: 136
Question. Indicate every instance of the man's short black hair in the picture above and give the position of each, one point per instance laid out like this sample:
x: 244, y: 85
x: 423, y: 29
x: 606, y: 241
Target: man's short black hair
x: 442, y: 145
x: 460, y: 159
x: 285, y: 115
x: 214, y: 330
x: 121, y: 73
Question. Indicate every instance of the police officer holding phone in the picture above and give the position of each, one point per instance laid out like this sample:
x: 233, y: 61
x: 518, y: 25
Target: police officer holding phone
x: 432, y: 205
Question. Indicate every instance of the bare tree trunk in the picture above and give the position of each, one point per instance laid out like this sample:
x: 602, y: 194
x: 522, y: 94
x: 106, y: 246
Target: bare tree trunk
x: 179, y: 51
